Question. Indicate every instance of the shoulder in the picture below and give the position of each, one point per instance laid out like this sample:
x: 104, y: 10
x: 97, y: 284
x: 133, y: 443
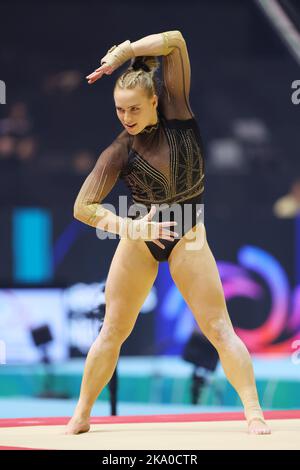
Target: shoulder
x: 121, y: 143
x: 115, y: 155
x: 123, y: 138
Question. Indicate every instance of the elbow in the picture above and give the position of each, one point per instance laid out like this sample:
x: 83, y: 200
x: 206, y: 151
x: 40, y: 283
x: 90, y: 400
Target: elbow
x: 181, y: 40
x: 77, y: 212
x: 175, y: 39
x: 178, y: 35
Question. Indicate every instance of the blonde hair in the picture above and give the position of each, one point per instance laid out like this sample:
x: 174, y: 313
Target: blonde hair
x: 141, y: 72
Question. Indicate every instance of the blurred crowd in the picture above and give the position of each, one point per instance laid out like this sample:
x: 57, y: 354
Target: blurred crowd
x: 30, y: 165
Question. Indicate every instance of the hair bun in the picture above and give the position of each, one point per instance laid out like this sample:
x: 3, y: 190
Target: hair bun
x: 140, y: 64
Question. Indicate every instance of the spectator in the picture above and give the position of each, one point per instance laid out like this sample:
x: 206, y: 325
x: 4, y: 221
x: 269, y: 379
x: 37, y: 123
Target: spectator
x: 289, y: 205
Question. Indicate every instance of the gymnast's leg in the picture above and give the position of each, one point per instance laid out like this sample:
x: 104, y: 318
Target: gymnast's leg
x: 131, y: 275
x: 196, y: 275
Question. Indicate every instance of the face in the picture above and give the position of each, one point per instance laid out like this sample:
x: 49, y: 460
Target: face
x: 134, y: 107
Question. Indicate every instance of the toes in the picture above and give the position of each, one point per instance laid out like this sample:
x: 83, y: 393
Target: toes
x: 260, y: 431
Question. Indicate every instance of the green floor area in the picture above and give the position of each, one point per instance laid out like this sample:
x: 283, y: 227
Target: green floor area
x: 157, y: 380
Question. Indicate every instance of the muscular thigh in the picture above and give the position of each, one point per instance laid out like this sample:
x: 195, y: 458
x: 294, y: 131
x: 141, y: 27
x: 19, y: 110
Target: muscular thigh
x: 196, y: 275
x: 131, y: 275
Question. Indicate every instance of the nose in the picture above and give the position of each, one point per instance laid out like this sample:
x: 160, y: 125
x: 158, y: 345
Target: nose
x: 127, y: 119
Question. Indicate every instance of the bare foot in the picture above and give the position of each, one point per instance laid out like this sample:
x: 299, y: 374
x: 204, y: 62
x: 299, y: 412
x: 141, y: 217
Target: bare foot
x: 258, y: 426
x: 77, y: 425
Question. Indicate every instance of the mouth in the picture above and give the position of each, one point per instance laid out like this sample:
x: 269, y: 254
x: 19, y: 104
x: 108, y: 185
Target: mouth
x: 130, y: 127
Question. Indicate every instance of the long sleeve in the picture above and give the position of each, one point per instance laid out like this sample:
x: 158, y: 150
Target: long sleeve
x: 99, y: 183
x: 176, y: 77
x: 171, y: 45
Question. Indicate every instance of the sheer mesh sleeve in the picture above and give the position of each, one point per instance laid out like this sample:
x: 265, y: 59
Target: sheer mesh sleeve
x: 174, y: 98
x: 101, y: 180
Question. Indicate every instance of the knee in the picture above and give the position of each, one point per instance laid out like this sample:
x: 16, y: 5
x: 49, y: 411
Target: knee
x: 114, y: 334
x: 219, y: 331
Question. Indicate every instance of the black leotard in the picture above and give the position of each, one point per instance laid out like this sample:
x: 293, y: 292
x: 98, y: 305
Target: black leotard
x: 180, y: 182
x: 163, y: 164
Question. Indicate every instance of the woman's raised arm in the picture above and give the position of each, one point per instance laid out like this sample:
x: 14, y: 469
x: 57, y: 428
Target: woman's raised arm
x: 171, y: 45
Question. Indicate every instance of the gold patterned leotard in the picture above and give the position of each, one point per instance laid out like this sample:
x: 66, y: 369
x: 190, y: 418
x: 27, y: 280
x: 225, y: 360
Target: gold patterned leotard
x: 163, y: 164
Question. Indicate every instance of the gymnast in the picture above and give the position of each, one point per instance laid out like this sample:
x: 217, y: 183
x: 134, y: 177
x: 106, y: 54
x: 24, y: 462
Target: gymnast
x: 159, y: 156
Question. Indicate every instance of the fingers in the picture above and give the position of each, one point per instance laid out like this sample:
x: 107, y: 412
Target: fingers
x: 107, y: 68
x: 104, y: 69
x: 169, y: 232
x: 150, y: 214
x: 164, y: 237
x: 158, y: 243
x: 167, y: 237
x: 166, y: 224
x: 95, y: 73
x: 162, y: 233
x: 94, y: 76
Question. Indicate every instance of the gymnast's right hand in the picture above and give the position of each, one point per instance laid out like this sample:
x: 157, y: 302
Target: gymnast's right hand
x: 146, y: 229
x: 116, y: 56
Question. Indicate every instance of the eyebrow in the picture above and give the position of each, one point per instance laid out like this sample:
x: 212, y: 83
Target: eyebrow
x: 129, y: 106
